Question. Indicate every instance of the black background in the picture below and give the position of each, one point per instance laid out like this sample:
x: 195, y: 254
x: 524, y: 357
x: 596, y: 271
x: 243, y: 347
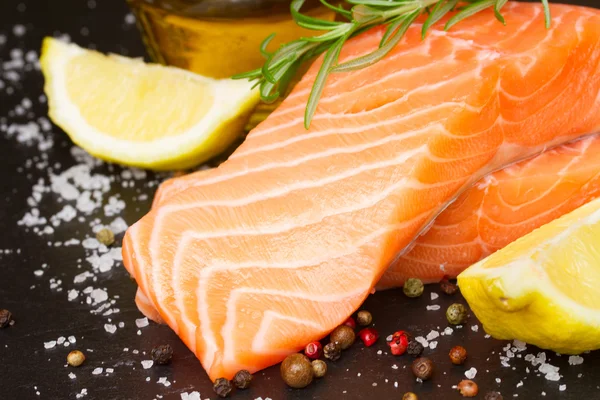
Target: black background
x: 43, y: 314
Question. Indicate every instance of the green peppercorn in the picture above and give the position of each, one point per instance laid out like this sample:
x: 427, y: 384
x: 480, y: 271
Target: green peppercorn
x: 242, y: 379
x: 422, y: 368
x: 222, y: 387
x: 105, y: 236
x: 456, y: 314
x: 75, y: 358
x: 343, y: 336
x: 319, y: 368
x: 410, y: 396
x: 364, y: 318
x: 493, y: 396
x: 297, y: 371
x: 413, y: 287
x: 332, y: 351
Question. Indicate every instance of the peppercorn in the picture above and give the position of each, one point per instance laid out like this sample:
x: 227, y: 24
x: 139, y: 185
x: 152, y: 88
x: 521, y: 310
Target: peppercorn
x: 350, y: 322
x: 297, y: 371
x: 410, y: 396
x: 369, y: 336
x: 364, y: 318
x: 493, y: 396
x: 458, y: 355
x: 105, y: 236
x: 413, y: 287
x: 332, y: 351
x: 414, y: 348
x: 456, y: 314
x: 468, y: 388
x: 422, y: 368
x: 162, y: 354
x: 399, y: 343
x: 75, y: 358
x: 313, y: 350
x: 242, y: 379
x: 5, y: 318
x: 222, y: 387
x: 447, y: 286
x: 344, y: 336
x: 319, y: 368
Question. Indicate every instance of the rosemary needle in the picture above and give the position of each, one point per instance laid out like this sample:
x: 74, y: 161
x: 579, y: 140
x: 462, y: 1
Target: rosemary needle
x: 280, y: 66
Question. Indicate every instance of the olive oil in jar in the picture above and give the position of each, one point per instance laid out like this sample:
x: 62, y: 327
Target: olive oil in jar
x: 218, y: 38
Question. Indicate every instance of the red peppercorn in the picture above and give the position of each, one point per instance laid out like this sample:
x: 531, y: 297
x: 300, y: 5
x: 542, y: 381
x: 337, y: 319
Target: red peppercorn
x: 313, y: 350
x: 369, y: 336
x: 399, y: 343
x: 350, y: 322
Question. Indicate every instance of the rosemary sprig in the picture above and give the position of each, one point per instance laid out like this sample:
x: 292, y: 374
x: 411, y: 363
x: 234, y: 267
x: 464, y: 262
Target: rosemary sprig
x: 280, y: 66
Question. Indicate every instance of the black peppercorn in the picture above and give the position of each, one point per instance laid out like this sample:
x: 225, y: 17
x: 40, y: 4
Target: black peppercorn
x: 447, y: 286
x: 364, y: 318
x: 414, y: 348
x: 332, y: 351
x: 297, y: 371
x: 493, y: 396
x: 5, y: 318
x: 242, y: 379
x: 456, y: 314
x: 222, y: 387
x: 162, y: 354
x: 422, y: 368
x: 344, y: 336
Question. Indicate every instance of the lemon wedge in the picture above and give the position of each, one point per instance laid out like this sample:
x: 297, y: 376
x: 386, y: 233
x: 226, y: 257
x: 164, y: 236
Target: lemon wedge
x: 145, y: 115
x: 543, y: 289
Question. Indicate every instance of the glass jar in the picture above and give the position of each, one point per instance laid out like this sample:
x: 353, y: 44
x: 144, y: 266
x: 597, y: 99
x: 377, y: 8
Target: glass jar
x: 218, y: 38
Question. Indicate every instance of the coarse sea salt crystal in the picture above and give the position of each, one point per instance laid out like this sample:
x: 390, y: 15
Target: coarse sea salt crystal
x: 50, y: 344
x: 72, y: 339
x: 562, y: 388
x: 147, y: 364
x: 434, y: 295
x: 475, y: 328
x: 575, y: 360
x: 190, y: 396
x: 72, y: 294
x: 433, y: 345
x: 433, y: 307
x: 82, y: 277
x: 110, y: 328
x: 163, y: 380
x: 422, y: 340
x: 99, y: 296
x: 61, y: 340
x: 38, y: 272
x: 470, y: 374
x: 432, y: 335
x: 448, y: 331
x: 72, y: 375
x: 97, y: 371
x: 81, y: 394
x: 520, y: 384
x: 110, y: 370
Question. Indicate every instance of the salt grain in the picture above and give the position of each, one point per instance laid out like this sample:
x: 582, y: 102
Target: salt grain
x: 147, y: 364
x: 433, y: 307
x: 470, y: 374
x: 72, y: 375
x: 562, y: 388
x: 141, y: 322
x: 50, y: 344
x: 190, y: 396
x: 434, y: 296
x: 575, y: 360
x: 97, y: 371
x: 110, y: 328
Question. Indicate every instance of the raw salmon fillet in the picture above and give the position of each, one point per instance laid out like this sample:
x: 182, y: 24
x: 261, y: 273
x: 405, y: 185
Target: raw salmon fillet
x: 500, y: 209
x: 284, y: 240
